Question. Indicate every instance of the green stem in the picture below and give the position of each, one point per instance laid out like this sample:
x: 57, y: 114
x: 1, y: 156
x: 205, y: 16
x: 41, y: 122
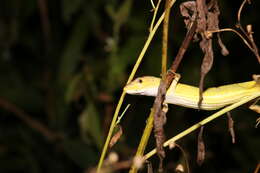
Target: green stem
x: 165, y: 38
x: 203, y: 122
x: 140, y: 57
x: 144, y: 140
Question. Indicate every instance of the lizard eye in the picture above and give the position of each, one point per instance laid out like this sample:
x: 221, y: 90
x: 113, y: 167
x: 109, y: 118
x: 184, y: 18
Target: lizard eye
x: 140, y: 81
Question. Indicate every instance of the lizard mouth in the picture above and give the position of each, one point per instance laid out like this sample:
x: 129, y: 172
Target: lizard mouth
x: 128, y: 90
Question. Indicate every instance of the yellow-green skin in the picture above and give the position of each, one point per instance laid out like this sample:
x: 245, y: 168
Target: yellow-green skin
x: 188, y: 96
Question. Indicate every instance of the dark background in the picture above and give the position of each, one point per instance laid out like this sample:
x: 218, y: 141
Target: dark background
x: 62, y: 68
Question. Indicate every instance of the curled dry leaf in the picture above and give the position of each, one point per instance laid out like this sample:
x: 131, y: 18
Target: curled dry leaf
x: 224, y: 50
x: 116, y: 136
x: 201, y: 148
x: 208, y: 12
x: 159, y: 122
x: 231, y: 127
x: 187, y: 10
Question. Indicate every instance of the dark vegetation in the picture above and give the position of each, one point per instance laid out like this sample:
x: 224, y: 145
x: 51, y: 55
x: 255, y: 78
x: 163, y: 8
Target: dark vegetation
x: 63, y: 66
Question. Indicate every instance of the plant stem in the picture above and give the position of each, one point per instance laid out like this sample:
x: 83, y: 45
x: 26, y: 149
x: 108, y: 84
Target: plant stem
x: 139, y: 59
x: 203, y: 122
x: 144, y: 140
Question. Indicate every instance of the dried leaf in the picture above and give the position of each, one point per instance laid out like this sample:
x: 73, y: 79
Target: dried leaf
x: 159, y: 111
x: 231, y: 127
x: 208, y: 20
x: 206, y: 46
x: 202, y: 11
x: 159, y: 121
x: 116, y: 136
x: 213, y: 24
x: 224, y: 50
x: 201, y: 148
x: 187, y: 10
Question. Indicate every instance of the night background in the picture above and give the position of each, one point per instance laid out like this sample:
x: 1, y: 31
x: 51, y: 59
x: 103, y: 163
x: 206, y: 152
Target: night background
x: 63, y: 65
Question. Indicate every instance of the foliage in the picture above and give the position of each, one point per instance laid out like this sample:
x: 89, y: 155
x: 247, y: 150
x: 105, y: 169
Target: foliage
x: 64, y: 63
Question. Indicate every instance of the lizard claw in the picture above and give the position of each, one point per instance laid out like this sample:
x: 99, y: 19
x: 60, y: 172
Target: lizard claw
x: 257, y: 122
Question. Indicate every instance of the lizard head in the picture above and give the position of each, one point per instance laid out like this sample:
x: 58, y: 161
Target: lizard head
x: 147, y: 85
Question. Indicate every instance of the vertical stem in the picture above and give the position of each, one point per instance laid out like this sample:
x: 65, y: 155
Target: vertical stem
x: 144, y: 140
x: 112, y: 126
x: 165, y: 38
x: 139, y: 59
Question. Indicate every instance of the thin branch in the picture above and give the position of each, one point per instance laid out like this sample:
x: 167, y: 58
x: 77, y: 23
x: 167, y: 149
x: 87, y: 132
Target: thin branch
x: 34, y: 124
x: 131, y: 76
x: 152, y: 4
x: 159, y: 114
x: 144, y: 140
x: 184, y: 46
x: 249, y: 33
x: 232, y: 30
x: 238, y: 25
x: 165, y: 38
x: 42, y: 4
x: 184, y: 155
x: 203, y: 122
x: 154, y: 14
x: 160, y: 117
x: 240, y: 9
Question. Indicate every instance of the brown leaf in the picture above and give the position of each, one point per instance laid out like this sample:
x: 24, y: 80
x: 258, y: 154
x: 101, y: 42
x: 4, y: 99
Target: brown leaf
x: 159, y: 121
x: 202, y: 12
x: 231, y: 127
x: 201, y: 148
x: 116, y: 136
x: 206, y: 46
x: 208, y: 20
x: 213, y: 24
x: 224, y: 50
x: 159, y: 113
x: 187, y: 10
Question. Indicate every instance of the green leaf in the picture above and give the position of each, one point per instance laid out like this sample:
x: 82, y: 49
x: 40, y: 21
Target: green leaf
x: 73, y: 49
x: 89, y: 123
x: 74, y: 89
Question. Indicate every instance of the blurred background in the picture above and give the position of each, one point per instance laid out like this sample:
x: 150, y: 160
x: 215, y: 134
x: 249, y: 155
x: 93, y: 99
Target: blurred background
x: 63, y: 65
